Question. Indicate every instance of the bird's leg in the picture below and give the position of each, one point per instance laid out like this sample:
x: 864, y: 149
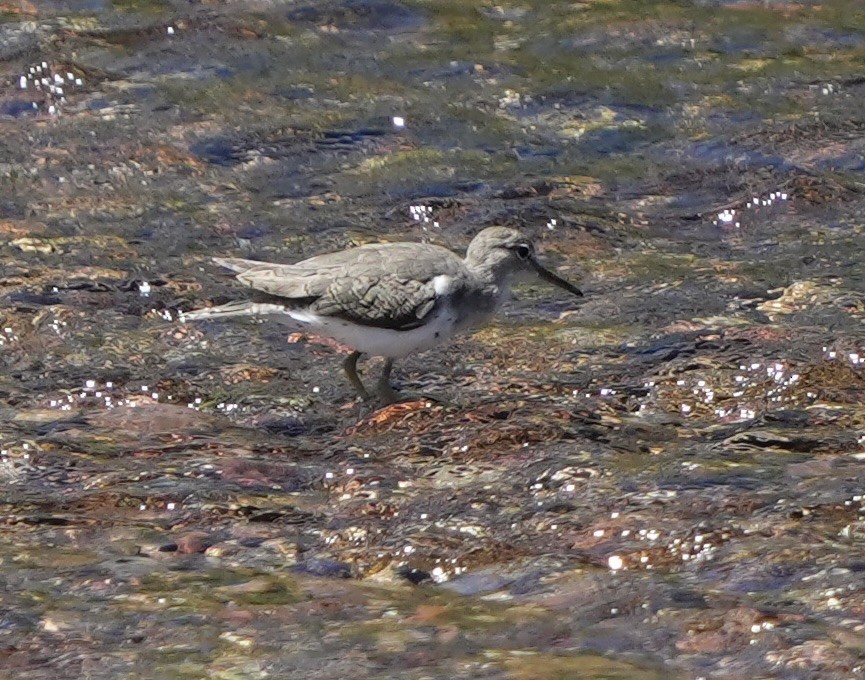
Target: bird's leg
x: 350, y: 366
x: 383, y: 387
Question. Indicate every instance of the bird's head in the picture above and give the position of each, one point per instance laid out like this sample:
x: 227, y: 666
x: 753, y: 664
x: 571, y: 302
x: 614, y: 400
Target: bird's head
x: 501, y: 253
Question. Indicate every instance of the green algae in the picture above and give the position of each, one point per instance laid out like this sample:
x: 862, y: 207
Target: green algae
x: 152, y: 7
x: 431, y: 165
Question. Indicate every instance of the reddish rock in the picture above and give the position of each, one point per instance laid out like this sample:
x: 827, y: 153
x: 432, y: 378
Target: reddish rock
x: 194, y: 542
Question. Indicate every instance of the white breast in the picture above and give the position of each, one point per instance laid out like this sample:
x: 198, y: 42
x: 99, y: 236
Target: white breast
x: 381, y: 341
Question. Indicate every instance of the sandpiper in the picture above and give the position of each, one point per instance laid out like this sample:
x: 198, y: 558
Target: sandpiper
x: 388, y: 299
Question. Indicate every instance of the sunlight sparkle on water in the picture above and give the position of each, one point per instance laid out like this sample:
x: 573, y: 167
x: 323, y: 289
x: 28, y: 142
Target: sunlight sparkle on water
x: 49, y: 86
x: 422, y: 214
x: 730, y: 217
x: 7, y: 336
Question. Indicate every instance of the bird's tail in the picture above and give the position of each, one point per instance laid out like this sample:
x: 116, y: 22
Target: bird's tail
x: 238, y: 308
x: 237, y: 264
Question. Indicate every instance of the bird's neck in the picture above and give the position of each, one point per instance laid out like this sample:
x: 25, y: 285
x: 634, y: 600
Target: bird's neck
x: 496, y: 285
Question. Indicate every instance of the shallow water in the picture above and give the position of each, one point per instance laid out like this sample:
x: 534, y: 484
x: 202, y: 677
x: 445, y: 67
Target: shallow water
x: 662, y: 480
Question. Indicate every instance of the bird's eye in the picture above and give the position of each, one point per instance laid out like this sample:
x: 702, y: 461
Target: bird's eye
x: 523, y: 251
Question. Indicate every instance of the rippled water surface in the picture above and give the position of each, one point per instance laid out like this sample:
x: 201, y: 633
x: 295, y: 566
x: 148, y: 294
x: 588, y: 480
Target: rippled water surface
x: 661, y: 480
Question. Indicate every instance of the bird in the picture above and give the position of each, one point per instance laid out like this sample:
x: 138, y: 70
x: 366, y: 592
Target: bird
x: 387, y: 299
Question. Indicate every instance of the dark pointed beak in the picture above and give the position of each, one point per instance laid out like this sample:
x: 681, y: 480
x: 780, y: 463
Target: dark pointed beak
x: 549, y: 277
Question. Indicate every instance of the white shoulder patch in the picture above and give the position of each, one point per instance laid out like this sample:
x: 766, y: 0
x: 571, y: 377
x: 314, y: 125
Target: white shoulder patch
x: 442, y: 284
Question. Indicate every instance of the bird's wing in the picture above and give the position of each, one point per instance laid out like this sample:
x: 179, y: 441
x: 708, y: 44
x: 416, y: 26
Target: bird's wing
x: 382, y: 285
x: 283, y: 280
x: 381, y: 301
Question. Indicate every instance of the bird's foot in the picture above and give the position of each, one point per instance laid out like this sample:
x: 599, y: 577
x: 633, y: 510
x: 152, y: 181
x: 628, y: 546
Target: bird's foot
x: 383, y: 393
x: 388, y: 395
